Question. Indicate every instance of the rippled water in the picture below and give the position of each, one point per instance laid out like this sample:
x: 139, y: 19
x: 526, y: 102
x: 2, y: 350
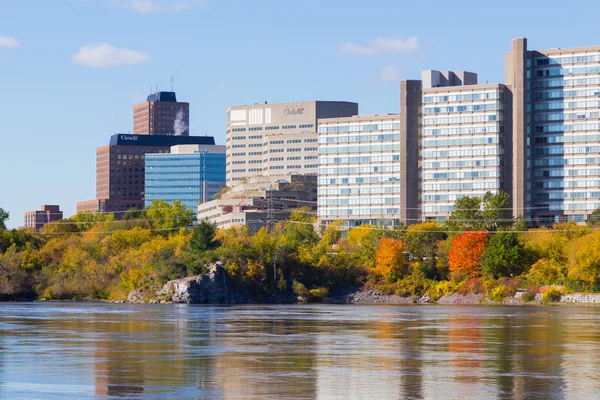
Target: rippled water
x: 78, y: 351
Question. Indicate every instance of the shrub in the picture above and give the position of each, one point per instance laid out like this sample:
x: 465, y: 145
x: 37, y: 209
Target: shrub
x: 439, y: 289
x: 552, y: 295
x: 528, y: 296
x: 546, y: 272
x: 501, y: 291
x: 299, y: 289
x: 319, y: 293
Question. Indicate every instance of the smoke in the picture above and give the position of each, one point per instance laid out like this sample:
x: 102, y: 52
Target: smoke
x: 179, y: 125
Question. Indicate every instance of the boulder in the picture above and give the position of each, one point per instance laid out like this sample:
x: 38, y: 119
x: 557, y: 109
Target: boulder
x: 211, y: 288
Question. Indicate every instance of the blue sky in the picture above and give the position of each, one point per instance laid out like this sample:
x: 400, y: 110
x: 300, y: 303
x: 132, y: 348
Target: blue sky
x: 71, y: 70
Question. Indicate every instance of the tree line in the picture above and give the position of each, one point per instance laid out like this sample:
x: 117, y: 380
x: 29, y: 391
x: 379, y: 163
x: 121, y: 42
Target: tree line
x: 478, y: 249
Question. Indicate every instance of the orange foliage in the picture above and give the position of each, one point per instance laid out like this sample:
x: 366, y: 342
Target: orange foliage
x: 389, y: 258
x: 466, y: 252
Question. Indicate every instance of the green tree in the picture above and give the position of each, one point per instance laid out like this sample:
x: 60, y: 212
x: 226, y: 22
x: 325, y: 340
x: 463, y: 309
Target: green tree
x: 203, y: 237
x: 163, y: 215
x: 592, y: 220
x: 422, y: 241
x: 87, y: 220
x: 504, y: 255
x: 495, y: 210
x: 3, y: 218
x: 479, y: 214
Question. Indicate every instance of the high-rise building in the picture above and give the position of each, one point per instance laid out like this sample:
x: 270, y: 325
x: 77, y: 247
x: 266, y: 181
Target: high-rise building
x: 277, y: 139
x: 192, y: 174
x: 161, y: 114
x: 556, y: 131
x: 462, y: 141
x: 47, y: 213
x: 120, y: 170
x: 359, y: 170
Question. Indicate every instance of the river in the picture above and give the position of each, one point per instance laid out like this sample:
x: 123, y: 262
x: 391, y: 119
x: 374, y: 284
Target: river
x: 105, y: 351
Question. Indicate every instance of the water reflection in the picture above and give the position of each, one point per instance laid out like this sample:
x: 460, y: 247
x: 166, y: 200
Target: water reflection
x: 101, y: 351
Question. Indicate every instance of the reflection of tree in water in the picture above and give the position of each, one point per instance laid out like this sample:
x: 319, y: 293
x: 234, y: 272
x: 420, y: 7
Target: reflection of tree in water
x: 411, y: 361
x: 465, y: 345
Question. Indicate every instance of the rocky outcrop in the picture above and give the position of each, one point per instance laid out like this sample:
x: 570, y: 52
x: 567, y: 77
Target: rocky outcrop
x: 211, y: 288
x: 366, y: 296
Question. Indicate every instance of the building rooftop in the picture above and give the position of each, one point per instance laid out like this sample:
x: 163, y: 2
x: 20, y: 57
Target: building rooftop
x: 168, y: 97
x: 128, y: 139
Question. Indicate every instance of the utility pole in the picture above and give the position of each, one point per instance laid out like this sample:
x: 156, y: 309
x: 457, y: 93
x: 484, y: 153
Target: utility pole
x: 271, y: 225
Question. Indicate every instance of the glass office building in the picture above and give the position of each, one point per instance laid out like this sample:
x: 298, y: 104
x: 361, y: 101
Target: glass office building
x: 359, y: 170
x: 192, y: 174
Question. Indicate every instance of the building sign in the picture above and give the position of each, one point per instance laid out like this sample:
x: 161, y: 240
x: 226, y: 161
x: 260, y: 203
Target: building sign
x: 293, y: 109
x: 129, y: 137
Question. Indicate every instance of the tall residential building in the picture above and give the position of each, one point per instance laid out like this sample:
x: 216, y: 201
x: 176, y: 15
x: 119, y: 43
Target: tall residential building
x: 359, y: 170
x: 277, y: 139
x: 161, y: 114
x: 47, y: 213
x: 120, y: 170
x: 556, y: 131
x: 462, y: 140
x: 192, y: 174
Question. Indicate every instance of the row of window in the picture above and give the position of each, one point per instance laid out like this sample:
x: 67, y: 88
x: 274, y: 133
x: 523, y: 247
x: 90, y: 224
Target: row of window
x: 461, y: 185
x: 561, y: 105
x: 561, y: 116
x: 365, y: 179
x: 463, y: 175
x: 461, y: 97
x: 559, y: 94
x: 462, y: 152
x: 549, y: 184
x: 359, y: 127
x: 359, y: 190
x: 358, y: 159
x: 555, y: 60
x: 567, y: 138
x: 569, y: 172
x: 549, y: 162
x: 469, y: 141
x: 463, y: 130
x: 566, y: 150
x: 357, y: 170
x: 358, y: 201
x: 359, y: 211
x: 359, y: 138
x: 464, y: 108
x: 374, y: 148
x: 549, y: 83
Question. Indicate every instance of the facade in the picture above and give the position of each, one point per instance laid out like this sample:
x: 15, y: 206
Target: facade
x: 462, y: 142
x: 359, y: 170
x: 192, y: 174
x: 277, y: 139
x: 47, y: 213
x: 120, y: 170
x: 161, y: 114
x: 556, y: 131
x: 248, y: 204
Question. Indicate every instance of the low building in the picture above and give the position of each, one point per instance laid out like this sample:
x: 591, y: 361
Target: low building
x: 37, y: 219
x: 248, y: 203
x: 192, y: 174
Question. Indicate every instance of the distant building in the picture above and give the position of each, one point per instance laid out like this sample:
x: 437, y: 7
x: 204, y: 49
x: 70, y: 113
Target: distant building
x: 248, y: 204
x: 192, y: 174
x: 37, y: 219
x: 277, y: 140
x: 161, y: 114
x: 120, y: 170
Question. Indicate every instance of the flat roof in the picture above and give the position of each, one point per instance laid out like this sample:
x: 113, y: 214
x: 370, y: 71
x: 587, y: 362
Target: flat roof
x: 128, y: 139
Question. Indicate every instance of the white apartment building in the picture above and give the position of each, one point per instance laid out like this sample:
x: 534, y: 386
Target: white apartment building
x: 359, y: 170
x: 462, y: 141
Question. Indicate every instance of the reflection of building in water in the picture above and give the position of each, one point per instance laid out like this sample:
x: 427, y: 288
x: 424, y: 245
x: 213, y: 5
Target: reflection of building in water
x: 359, y: 362
x: 266, y: 358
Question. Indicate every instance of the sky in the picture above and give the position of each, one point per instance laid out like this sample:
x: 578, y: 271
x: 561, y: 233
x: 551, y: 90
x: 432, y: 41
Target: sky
x: 72, y: 70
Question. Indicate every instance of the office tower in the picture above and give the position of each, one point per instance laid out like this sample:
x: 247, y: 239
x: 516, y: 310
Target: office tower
x: 192, y: 174
x: 462, y: 140
x: 556, y: 131
x: 161, y: 114
x: 248, y: 203
x: 359, y: 170
x: 277, y: 139
x: 47, y: 213
x: 120, y: 170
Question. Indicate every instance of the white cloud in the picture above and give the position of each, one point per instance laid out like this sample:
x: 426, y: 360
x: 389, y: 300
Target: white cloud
x: 158, y: 6
x: 103, y: 55
x: 9, y: 42
x: 381, y: 45
x: 389, y: 73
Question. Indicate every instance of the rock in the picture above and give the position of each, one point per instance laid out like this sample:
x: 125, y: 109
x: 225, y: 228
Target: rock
x: 211, y: 288
x: 425, y: 299
x: 135, y: 296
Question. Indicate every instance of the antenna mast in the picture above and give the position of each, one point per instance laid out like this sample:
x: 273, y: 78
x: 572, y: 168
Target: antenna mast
x: 172, y: 80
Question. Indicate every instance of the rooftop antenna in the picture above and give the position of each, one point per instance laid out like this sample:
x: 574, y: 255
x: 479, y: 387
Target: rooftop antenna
x: 172, y: 80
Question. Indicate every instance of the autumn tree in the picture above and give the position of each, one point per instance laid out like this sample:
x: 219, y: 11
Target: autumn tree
x: 466, y: 251
x: 422, y: 240
x: 389, y: 260
x: 584, y: 261
x: 163, y: 215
